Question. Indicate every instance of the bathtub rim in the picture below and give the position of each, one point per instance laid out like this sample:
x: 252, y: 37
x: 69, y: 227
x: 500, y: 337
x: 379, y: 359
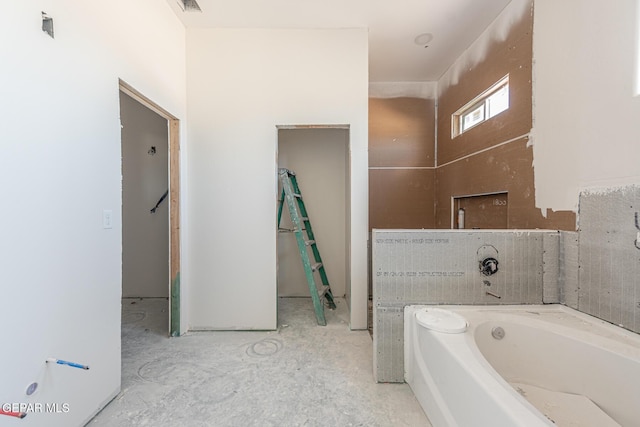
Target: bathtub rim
x: 610, y: 337
x: 613, y: 335
x: 439, y: 413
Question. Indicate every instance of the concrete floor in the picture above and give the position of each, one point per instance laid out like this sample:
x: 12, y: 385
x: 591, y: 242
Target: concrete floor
x: 300, y: 375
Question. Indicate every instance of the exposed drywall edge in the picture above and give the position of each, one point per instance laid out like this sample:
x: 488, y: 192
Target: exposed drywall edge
x: 601, y: 190
x: 425, y: 90
x: 477, y: 52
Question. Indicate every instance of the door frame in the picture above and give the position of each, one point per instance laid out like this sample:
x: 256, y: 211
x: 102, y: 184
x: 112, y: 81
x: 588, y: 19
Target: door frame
x: 174, y: 203
x: 348, y: 199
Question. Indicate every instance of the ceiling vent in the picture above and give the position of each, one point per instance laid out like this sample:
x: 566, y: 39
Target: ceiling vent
x: 189, y: 5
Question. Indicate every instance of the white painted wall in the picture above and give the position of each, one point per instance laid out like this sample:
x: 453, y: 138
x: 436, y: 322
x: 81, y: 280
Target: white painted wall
x: 241, y: 85
x: 586, y: 112
x: 319, y: 158
x: 145, y: 178
x: 60, y: 168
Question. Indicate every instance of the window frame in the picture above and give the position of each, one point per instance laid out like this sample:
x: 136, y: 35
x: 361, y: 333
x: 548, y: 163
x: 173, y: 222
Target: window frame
x: 482, y: 100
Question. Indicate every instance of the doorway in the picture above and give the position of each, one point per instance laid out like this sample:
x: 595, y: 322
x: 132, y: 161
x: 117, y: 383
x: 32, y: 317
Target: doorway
x: 150, y: 203
x: 319, y: 156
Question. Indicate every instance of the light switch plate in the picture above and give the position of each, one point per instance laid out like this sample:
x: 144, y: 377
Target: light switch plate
x: 107, y: 218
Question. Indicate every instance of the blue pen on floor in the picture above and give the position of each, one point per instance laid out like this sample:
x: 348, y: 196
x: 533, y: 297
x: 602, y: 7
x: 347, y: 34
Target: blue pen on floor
x: 64, y: 362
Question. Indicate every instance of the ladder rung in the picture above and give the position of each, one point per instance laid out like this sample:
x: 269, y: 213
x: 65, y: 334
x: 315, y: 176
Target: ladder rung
x: 304, y: 218
x: 299, y: 196
x: 310, y: 242
x: 316, y: 266
x: 322, y: 292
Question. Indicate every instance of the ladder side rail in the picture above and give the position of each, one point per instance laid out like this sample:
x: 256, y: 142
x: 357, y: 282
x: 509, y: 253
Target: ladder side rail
x: 305, y: 214
x: 308, y: 271
x: 281, y: 202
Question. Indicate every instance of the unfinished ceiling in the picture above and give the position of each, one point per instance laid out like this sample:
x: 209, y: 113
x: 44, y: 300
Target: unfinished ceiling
x: 409, y: 40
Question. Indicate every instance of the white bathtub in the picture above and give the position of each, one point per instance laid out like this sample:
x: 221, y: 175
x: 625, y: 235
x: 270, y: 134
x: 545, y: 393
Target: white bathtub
x: 553, y: 366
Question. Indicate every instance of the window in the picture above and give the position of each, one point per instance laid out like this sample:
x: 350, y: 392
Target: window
x: 488, y: 104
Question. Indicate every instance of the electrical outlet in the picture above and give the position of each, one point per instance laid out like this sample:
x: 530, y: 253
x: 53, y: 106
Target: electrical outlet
x: 107, y: 218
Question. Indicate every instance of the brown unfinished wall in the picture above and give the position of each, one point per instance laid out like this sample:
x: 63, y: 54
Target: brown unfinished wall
x: 401, y: 163
x: 506, y: 168
x: 494, y: 156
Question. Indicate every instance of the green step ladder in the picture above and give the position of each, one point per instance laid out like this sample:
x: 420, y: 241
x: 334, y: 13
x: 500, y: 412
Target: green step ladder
x: 304, y: 236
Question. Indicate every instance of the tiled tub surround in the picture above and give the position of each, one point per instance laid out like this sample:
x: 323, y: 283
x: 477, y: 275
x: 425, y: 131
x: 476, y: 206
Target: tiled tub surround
x: 442, y: 267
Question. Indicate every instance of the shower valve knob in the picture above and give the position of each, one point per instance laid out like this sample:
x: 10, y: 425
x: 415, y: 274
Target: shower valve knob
x: 489, y: 266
